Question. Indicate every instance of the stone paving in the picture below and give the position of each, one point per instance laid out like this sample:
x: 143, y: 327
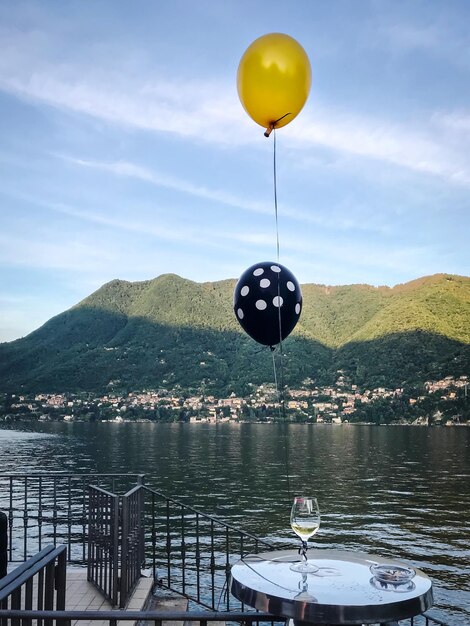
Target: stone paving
x: 81, y: 595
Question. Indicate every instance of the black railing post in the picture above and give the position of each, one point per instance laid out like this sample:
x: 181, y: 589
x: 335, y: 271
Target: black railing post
x: 123, y: 563
x: 3, y: 544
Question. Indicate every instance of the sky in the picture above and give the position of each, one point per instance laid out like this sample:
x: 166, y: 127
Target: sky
x: 125, y: 151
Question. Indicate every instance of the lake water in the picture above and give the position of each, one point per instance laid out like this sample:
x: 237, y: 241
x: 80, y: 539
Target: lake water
x: 392, y: 491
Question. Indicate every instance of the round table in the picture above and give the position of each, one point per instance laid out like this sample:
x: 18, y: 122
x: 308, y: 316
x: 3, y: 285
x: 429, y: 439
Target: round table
x: 342, y: 591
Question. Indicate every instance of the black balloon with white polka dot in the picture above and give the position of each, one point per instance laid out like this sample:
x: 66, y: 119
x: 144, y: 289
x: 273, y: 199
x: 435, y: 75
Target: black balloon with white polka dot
x: 267, y: 302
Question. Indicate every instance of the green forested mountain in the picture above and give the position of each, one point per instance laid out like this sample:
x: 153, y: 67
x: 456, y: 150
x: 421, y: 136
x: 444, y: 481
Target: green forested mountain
x: 170, y: 331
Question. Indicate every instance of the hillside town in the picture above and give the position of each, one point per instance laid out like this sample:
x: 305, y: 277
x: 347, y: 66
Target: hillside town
x: 442, y: 402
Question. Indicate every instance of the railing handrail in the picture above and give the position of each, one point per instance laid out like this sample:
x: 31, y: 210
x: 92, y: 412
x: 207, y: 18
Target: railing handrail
x: 101, y: 490
x: 20, y: 575
x: 66, y: 475
x: 159, y: 616
x: 119, y: 614
x: 133, y: 490
x: 14, y: 574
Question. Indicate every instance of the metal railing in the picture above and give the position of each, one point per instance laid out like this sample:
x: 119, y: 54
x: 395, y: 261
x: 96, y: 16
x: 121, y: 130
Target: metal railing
x: 191, y: 552
x: 143, y: 617
x: 187, y: 551
x: 45, y: 509
x: 40, y: 582
x: 115, y: 542
x: 103, y: 542
x: 195, y: 618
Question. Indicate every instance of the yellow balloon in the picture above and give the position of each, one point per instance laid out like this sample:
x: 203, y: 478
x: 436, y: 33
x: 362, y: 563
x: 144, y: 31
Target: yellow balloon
x: 273, y: 80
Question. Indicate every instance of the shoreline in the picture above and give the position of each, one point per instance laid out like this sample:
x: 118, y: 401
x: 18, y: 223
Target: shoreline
x: 205, y: 422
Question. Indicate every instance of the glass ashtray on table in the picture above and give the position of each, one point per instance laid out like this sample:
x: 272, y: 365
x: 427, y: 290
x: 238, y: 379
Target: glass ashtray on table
x: 392, y: 573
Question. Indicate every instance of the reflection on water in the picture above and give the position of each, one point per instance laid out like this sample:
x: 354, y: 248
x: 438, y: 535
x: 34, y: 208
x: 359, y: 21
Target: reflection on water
x: 41, y: 451
x: 396, y: 491
x: 13, y: 436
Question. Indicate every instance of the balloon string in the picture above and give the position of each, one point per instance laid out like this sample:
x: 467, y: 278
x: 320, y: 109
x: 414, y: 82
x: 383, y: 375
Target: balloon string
x: 277, y: 244
x: 275, y: 196
x: 282, y: 416
x: 282, y: 406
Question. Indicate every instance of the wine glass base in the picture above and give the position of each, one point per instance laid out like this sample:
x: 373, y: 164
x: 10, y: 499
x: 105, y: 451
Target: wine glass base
x: 304, y: 568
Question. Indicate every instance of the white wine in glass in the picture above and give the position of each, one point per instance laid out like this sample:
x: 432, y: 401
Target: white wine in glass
x: 305, y: 521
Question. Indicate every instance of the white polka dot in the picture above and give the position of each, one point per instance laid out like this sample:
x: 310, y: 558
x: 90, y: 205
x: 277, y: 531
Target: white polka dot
x: 297, y: 308
x: 258, y: 271
x: 244, y: 290
x: 261, y: 305
x: 278, y: 301
x: 240, y: 314
x: 290, y: 286
x: 276, y: 268
x: 264, y: 282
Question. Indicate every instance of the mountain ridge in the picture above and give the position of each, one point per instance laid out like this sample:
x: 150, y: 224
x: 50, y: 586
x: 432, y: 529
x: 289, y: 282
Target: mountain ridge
x: 170, y: 330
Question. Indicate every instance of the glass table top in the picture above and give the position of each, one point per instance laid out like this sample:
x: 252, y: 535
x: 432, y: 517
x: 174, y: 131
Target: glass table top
x: 342, y: 591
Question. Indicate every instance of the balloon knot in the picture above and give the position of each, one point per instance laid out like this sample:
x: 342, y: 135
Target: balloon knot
x: 272, y: 125
x: 269, y: 130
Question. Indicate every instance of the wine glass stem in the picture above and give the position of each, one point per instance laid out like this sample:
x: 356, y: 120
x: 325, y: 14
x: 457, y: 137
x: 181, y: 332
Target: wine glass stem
x: 304, y: 551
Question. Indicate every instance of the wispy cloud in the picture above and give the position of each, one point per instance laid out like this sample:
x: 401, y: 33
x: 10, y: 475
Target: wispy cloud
x: 48, y: 252
x: 350, y: 263
x: 345, y: 133
x: 188, y: 108
x: 128, y: 224
x: 317, y: 217
x: 425, y: 152
x: 210, y: 112
x: 408, y: 37
x: 138, y: 172
x: 85, y: 251
x: 458, y: 121
x: 442, y: 37
x: 52, y: 252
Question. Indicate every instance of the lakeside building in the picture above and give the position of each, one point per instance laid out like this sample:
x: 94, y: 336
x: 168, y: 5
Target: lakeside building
x: 440, y: 402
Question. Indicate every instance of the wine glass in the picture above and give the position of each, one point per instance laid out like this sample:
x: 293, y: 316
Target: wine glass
x: 305, y: 521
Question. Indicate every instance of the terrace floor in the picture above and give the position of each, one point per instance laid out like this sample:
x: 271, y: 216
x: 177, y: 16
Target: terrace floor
x: 81, y: 595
